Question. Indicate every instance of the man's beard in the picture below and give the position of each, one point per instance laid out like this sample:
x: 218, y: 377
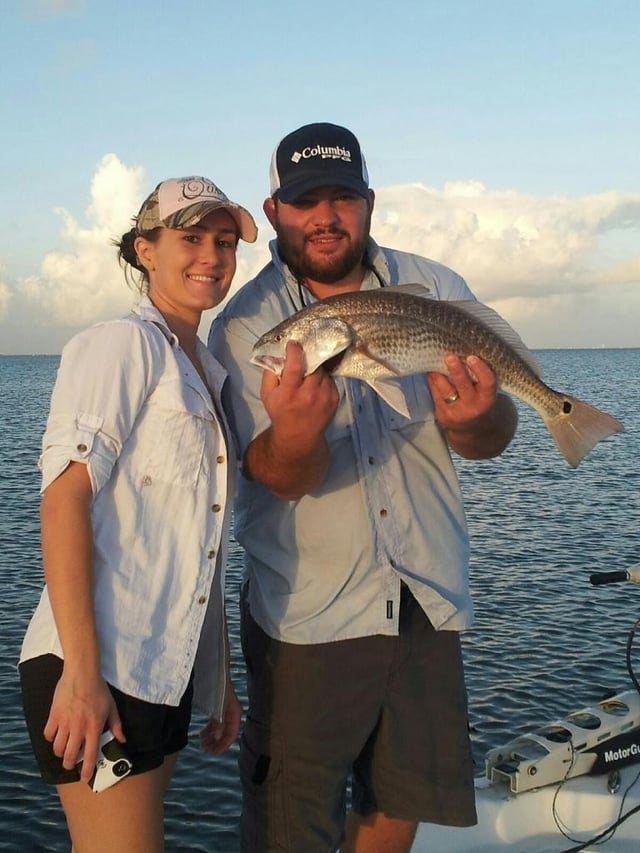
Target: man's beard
x: 323, y: 270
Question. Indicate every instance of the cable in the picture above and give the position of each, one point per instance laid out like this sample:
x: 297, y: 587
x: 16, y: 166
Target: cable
x: 630, y: 639
x: 554, y: 810
x: 607, y: 833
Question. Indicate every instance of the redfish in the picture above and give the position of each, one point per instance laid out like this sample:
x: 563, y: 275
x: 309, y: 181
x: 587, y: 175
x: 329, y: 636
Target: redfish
x: 374, y: 335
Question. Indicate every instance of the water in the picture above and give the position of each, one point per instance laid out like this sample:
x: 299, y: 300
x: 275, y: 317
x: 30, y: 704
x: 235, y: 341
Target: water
x: 544, y: 643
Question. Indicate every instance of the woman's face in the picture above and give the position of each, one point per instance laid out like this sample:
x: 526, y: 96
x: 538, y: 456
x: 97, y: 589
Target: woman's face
x: 190, y: 270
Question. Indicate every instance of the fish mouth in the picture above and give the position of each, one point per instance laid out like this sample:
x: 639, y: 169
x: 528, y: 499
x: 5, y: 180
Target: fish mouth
x: 274, y: 363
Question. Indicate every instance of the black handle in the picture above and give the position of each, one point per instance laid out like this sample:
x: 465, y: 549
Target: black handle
x: 609, y: 577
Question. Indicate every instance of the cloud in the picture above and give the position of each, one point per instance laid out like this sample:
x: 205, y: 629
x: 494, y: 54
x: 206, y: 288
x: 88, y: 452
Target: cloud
x: 84, y: 284
x: 626, y: 271
x: 508, y: 244
x: 556, y: 267
x: 5, y: 298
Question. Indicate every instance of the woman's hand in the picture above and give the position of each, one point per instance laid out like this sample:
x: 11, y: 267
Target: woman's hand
x: 218, y: 735
x: 82, y: 708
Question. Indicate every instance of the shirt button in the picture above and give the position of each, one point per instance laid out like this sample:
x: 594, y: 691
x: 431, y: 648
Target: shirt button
x: 216, y: 508
x: 383, y: 513
x: 202, y: 599
x: 146, y: 481
x: 82, y: 448
x: 211, y: 554
x: 219, y: 459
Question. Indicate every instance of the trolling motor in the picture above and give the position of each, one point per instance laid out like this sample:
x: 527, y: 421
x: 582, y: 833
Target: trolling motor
x: 595, y: 739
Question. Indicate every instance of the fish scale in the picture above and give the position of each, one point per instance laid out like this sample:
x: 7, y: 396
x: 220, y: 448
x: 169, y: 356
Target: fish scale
x: 375, y: 335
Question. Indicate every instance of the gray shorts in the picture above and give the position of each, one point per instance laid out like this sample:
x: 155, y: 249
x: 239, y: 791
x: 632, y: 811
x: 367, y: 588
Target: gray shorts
x: 388, y: 714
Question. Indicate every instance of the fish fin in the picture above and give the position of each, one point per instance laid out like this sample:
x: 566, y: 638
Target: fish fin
x: 365, y: 351
x: 413, y: 289
x: 578, y: 427
x: 391, y: 393
x: 500, y: 327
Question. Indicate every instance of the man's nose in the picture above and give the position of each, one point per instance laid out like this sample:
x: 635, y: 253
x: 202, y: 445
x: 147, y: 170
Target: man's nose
x: 325, y: 212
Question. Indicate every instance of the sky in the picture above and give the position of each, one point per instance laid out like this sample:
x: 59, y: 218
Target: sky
x: 502, y: 139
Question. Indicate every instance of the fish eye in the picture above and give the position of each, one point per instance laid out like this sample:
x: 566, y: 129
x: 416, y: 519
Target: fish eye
x: 278, y: 338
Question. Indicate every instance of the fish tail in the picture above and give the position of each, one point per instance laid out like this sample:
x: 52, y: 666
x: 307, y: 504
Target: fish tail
x: 578, y: 427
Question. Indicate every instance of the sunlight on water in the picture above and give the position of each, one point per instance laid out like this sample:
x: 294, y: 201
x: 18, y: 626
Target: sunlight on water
x: 545, y: 641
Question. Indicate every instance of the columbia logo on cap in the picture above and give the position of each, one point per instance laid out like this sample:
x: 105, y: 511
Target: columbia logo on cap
x: 325, y: 152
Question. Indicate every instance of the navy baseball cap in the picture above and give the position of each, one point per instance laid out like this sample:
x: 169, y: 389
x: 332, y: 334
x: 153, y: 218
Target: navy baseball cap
x: 317, y: 155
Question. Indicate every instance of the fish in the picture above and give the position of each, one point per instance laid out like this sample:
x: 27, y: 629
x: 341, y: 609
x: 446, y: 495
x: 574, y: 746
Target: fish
x: 377, y: 335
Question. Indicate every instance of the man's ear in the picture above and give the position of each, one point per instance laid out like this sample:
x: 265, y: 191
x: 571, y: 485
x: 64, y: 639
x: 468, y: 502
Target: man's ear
x: 372, y: 200
x: 269, y: 208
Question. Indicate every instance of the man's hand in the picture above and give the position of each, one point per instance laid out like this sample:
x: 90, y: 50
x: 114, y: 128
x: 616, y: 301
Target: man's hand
x: 479, y: 422
x: 291, y: 457
x: 299, y: 406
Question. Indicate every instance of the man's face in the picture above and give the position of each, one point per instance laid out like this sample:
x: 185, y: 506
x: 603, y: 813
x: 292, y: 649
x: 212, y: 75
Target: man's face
x: 322, y: 235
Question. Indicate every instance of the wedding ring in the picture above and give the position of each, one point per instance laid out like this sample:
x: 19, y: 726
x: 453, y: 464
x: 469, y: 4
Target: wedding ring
x: 452, y: 398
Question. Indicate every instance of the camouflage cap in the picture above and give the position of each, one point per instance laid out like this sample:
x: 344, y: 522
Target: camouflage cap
x: 182, y: 202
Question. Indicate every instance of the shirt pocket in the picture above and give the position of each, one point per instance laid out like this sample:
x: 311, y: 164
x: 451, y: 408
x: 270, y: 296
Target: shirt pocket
x: 418, y: 399
x: 174, y: 429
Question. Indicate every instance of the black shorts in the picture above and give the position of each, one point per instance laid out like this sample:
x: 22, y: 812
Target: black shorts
x: 152, y: 731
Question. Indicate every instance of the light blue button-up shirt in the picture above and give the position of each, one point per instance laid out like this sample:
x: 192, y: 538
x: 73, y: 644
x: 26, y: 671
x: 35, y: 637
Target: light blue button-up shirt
x: 130, y: 405
x: 329, y: 566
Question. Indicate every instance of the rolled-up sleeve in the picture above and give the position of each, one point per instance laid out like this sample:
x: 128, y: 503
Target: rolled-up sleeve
x: 102, y: 382
x: 75, y: 439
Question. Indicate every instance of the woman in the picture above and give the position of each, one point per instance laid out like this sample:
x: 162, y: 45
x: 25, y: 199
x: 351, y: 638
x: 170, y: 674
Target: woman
x: 137, y: 469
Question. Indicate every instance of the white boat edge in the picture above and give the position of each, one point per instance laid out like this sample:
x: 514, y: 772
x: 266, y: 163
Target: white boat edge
x: 524, y: 823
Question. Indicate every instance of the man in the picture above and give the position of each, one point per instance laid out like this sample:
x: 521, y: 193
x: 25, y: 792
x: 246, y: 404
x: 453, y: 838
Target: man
x: 356, y: 546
